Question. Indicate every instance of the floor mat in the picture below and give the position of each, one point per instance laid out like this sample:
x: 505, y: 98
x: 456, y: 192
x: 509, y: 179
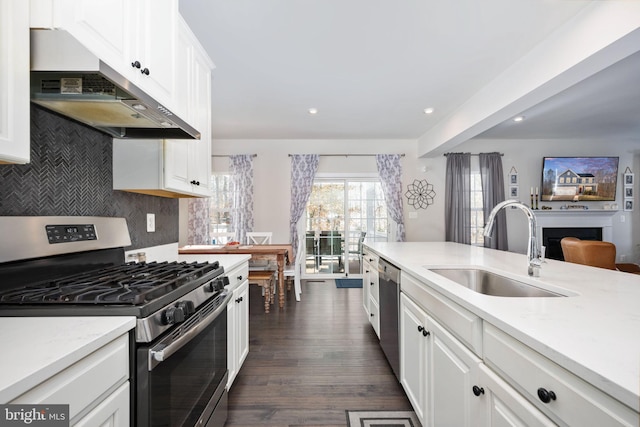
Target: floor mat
x: 382, y: 418
x: 348, y: 283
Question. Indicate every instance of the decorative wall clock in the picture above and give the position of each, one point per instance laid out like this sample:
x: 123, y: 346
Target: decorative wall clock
x: 420, y: 194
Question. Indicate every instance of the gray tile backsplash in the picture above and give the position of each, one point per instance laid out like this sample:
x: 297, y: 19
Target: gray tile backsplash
x: 71, y: 174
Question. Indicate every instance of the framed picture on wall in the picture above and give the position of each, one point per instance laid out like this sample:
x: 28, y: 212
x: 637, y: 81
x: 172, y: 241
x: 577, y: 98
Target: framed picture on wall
x: 628, y: 192
x: 628, y: 179
x: 513, y: 178
x: 513, y: 192
x: 628, y: 205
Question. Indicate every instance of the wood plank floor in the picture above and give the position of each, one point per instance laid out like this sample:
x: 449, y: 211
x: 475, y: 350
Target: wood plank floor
x: 310, y: 362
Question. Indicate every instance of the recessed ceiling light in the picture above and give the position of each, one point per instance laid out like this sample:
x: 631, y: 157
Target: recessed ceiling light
x: 428, y: 110
x: 313, y: 111
x: 518, y: 118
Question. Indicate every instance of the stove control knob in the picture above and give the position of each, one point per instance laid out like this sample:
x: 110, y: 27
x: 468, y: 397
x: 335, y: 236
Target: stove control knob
x: 217, y: 284
x: 173, y: 315
x: 188, y: 308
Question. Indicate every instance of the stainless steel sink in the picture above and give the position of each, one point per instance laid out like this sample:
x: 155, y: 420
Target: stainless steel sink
x: 488, y: 283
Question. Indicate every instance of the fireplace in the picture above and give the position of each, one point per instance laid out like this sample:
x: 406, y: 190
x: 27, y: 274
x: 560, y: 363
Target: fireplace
x: 551, y: 237
x: 553, y: 225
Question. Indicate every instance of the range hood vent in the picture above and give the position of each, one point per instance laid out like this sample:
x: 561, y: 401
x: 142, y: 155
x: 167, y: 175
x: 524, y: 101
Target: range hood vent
x: 69, y: 80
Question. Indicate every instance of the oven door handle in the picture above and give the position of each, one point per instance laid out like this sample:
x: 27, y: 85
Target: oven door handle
x: 163, y: 351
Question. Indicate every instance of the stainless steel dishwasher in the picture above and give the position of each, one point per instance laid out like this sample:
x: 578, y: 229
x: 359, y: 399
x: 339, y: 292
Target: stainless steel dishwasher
x: 389, y: 288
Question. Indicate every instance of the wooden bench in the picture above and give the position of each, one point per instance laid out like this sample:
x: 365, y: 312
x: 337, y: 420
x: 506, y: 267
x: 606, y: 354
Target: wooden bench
x: 266, y: 280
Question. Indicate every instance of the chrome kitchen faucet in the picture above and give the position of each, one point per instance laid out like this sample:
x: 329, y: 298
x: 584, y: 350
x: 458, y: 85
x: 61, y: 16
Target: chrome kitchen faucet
x: 533, y: 252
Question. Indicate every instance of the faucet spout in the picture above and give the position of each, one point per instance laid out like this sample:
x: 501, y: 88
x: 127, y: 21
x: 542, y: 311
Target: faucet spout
x: 533, y: 252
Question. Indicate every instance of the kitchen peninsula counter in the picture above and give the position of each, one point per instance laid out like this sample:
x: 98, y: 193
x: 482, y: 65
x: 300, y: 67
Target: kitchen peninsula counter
x: 37, y: 348
x: 593, y: 332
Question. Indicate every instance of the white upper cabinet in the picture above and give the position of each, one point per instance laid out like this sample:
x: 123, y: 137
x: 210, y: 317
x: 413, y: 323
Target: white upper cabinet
x: 14, y: 82
x: 137, y: 38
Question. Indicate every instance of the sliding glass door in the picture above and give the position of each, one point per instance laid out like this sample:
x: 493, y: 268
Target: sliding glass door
x: 340, y: 214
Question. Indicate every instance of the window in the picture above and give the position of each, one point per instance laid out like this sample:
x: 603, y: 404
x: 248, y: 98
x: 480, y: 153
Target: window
x: 476, y: 205
x: 220, y: 203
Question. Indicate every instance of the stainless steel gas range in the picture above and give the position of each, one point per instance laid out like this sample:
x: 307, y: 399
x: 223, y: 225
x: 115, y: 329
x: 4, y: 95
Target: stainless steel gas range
x: 74, y: 266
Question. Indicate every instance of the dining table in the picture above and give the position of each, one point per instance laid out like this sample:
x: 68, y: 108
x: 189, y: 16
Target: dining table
x: 280, y: 252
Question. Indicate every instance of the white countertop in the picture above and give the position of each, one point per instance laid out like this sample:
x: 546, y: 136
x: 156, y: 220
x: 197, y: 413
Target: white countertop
x: 594, y: 332
x: 36, y: 348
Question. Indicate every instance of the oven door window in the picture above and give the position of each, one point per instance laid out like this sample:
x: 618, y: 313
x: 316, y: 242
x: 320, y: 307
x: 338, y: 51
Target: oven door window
x: 181, y: 386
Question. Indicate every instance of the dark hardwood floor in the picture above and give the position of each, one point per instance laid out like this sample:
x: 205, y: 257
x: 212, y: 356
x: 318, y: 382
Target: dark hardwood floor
x: 310, y: 362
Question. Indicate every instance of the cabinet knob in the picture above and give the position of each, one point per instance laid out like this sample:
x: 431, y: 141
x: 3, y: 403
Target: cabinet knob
x: 145, y: 71
x: 371, y: 283
x: 239, y: 299
x: 477, y: 390
x: 240, y: 278
x: 425, y: 333
x: 545, y: 395
x: 135, y: 64
x: 371, y: 314
x: 420, y: 328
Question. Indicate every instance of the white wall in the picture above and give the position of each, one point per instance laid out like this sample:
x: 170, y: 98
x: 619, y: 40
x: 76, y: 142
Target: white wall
x: 526, y: 156
x: 272, y: 173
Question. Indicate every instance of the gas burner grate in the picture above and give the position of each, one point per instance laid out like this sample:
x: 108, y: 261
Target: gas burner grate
x: 131, y: 284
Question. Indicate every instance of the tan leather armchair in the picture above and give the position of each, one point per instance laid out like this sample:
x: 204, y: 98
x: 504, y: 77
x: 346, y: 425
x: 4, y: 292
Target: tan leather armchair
x: 594, y: 253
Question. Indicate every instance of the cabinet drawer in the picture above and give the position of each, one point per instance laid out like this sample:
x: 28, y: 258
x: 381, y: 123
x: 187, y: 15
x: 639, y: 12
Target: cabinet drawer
x: 238, y: 275
x: 85, y: 382
x: 463, y: 324
x: 576, y: 403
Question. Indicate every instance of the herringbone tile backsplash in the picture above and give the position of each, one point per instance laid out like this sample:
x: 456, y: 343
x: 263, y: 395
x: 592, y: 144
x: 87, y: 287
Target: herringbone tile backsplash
x: 71, y: 174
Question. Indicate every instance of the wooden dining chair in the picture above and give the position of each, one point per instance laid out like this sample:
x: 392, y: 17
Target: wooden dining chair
x: 259, y: 237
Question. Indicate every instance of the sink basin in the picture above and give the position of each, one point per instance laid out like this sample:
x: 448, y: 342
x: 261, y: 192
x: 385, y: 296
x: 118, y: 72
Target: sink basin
x: 488, y: 283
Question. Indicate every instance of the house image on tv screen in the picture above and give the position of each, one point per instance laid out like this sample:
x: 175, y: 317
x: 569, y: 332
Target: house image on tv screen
x: 579, y: 178
x: 571, y: 183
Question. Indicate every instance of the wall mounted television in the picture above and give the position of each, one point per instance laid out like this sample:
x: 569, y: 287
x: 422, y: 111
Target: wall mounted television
x: 579, y: 179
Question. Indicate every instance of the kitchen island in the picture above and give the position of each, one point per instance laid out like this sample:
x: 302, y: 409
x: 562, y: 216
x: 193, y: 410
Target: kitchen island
x: 592, y: 331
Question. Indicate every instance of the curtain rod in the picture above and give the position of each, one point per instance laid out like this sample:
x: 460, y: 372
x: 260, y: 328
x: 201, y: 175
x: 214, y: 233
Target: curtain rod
x: 471, y: 154
x: 229, y: 155
x: 346, y: 155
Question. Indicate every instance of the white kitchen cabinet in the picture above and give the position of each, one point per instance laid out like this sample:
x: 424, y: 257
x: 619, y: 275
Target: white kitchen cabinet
x: 137, y: 38
x: 14, y: 82
x: 94, y: 387
x: 413, y: 355
x: 113, y: 411
x: 190, y: 167
x: 155, y: 167
x: 503, y: 406
x: 174, y: 168
x: 562, y: 396
x: 436, y: 370
x: 237, y: 322
x: 371, y: 290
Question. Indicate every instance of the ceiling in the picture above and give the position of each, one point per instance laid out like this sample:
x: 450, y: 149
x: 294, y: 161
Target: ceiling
x: 371, y: 67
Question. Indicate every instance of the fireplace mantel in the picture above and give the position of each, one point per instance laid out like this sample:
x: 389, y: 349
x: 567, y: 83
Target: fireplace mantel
x: 576, y: 218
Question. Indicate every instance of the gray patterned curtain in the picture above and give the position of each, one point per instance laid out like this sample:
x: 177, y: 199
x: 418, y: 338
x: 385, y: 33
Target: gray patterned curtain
x: 493, y: 193
x: 457, y: 198
x: 303, y: 170
x: 241, y: 168
x: 198, y: 222
x: 390, y: 171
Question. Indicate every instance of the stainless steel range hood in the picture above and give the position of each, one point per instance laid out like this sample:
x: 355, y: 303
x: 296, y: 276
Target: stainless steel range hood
x: 69, y: 80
